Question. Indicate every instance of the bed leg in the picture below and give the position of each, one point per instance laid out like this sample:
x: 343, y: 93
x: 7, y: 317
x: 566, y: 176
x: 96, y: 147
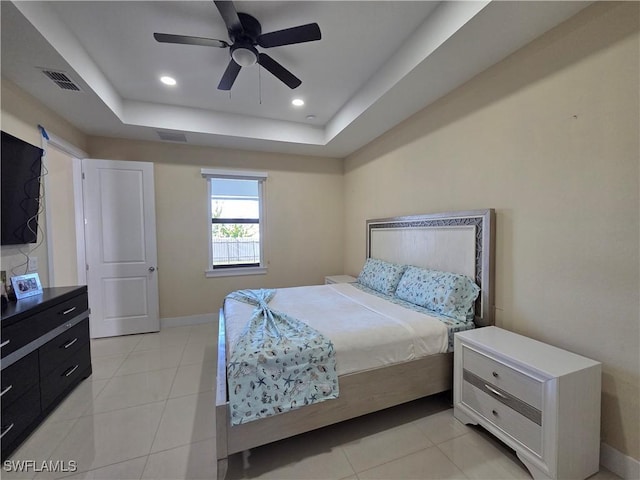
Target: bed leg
x: 223, y: 465
x: 245, y: 459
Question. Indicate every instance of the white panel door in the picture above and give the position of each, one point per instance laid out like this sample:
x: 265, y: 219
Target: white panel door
x: 121, y: 251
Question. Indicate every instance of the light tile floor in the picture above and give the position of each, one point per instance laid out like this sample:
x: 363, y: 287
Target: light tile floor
x: 147, y: 413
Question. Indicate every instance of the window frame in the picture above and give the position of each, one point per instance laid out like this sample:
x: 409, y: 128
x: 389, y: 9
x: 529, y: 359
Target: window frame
x: 238, y: 270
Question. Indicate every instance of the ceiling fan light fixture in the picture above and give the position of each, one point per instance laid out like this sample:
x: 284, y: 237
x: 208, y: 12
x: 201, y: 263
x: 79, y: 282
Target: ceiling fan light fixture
x: 245, y: 56
x: 167, y: 80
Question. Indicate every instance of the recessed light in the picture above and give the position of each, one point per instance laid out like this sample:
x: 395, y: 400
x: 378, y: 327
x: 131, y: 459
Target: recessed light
x: 168, y: 80
x: 311, y: 117
x: 297, y: 102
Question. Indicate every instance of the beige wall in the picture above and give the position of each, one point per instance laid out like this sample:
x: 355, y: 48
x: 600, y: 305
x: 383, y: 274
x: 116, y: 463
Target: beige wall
x: 549, y: 138
x: 20, y: 116
x: 62, y: 219
x: 304, y: 219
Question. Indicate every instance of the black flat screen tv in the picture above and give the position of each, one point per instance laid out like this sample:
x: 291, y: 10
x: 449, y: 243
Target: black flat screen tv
x: 20, y: 171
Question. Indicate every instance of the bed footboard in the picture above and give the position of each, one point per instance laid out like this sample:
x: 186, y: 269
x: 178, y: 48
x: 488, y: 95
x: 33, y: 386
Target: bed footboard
x: 222, y: 403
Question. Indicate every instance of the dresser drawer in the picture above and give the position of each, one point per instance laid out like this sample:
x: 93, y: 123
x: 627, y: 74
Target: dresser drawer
x: 19, y: 334
x: 64, y: 311
x: 18, y: 416
x: 512, y: 423
x: 525, y: 388
x: 18, y: 377
x: 64, y: 375
x: 59, y: 349
x: 31, y: 328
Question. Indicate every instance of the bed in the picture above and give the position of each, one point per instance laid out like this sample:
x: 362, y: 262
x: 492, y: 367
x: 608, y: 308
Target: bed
x: 458, y: 242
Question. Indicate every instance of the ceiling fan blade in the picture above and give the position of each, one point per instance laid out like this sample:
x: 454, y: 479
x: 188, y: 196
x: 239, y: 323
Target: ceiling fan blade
x: 229, y: 15
x: 229, y: 76
x: 187, y: 40
x: 279, y: 71
x: 304, y: 33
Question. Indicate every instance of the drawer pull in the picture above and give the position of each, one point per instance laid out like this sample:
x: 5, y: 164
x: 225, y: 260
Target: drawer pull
x: 494, y: 412
x: 6, y: 430
x: 495, y: 374
x: 5, y: 343
x: 494, y: 391
x: 71, y: 370
x: 6, y: 390
x: 70, y: 343
x: 69, y: 310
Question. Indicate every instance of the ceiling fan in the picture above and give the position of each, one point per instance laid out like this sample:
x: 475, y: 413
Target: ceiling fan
x: 245, y: 33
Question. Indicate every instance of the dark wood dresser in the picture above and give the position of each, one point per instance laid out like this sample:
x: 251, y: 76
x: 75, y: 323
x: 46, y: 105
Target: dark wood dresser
x: 45, y: 354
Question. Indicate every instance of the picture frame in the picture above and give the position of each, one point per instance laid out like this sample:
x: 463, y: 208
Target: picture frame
x: 4, y: 289
x: 26, y: 285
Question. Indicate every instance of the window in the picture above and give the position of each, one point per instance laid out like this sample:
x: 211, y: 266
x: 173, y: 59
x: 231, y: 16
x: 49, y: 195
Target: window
x: 235, y: 202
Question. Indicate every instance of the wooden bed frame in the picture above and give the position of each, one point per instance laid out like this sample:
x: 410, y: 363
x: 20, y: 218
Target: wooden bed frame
x: 422, y: 240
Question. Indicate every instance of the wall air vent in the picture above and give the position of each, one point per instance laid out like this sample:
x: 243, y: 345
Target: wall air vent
x: 61, y: 79
x: 172, y: 136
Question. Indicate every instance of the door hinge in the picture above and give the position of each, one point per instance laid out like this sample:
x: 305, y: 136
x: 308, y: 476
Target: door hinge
x: 87, y: 265
x: 83, y: 176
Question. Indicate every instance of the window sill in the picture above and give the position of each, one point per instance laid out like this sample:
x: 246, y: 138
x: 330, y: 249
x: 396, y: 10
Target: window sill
x: 235, y: 272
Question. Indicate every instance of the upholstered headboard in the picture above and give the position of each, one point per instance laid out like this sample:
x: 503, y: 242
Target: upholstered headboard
x: 458, y: 242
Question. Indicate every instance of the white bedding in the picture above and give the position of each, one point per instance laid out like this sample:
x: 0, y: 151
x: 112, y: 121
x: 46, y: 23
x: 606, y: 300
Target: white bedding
x: 367, y: 331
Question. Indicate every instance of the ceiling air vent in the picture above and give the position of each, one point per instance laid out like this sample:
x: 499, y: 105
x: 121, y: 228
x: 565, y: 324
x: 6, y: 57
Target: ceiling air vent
x: 172, y: 136
x: 62, y: 80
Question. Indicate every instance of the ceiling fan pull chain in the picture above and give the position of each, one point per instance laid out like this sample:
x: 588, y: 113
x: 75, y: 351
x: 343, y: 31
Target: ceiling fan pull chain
x: 260, y: 84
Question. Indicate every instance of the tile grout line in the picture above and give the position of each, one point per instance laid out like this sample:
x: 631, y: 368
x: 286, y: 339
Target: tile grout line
x: 348, y: 461
x: 143, y: 371
x: 400, y: 458
x: 164, y: 408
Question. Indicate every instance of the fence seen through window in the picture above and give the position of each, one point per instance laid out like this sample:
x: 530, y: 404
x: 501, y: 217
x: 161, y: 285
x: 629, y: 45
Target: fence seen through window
x: 235, y: 222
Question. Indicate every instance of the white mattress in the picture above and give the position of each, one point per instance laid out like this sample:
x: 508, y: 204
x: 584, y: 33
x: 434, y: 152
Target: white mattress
x: 367, y: 331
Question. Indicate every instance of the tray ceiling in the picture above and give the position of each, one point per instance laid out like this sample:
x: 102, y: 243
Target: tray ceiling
x: 376, y: 64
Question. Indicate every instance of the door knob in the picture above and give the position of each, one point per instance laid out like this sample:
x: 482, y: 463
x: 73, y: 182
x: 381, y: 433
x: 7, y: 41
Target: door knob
x: 152, y: 269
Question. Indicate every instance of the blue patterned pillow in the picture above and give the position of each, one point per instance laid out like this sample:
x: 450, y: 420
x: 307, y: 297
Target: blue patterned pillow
x: 381, y: 276
x: 447, y: 293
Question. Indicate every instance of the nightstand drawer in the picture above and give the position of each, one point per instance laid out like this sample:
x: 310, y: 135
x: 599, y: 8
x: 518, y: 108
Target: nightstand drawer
x: 521, y: 386
x: 505, y: 418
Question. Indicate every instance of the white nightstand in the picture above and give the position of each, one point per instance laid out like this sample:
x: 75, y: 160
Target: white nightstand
x: 542, y: 401
x: 339, y: 279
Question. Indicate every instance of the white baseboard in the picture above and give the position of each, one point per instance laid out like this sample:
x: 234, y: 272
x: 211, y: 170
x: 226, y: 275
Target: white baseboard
x: 190, y: 320
x: 617, y: 462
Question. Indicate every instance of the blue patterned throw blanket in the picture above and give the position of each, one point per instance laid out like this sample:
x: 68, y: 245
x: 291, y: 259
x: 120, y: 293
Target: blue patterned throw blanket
x: 278, y: 364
